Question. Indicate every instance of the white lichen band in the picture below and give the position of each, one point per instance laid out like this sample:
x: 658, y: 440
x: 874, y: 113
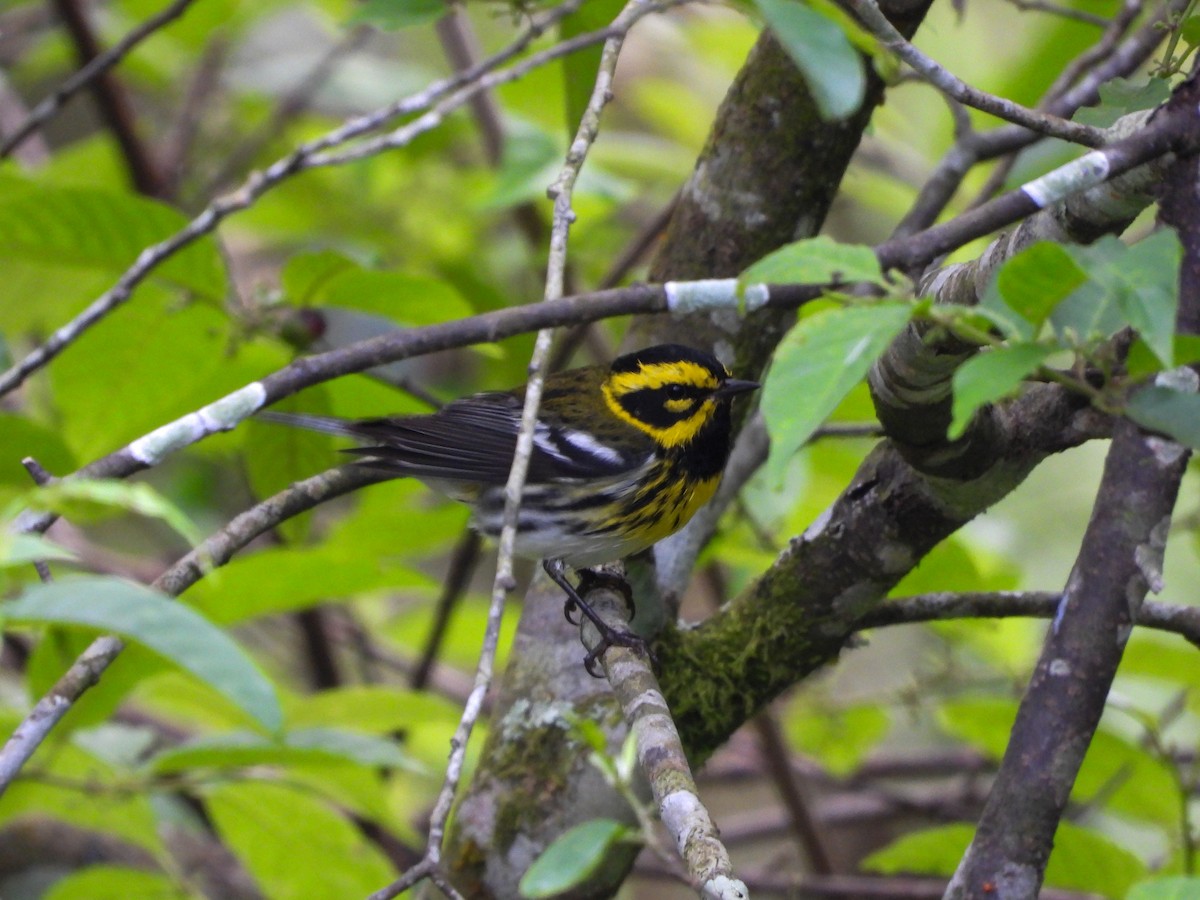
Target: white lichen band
x: 1078, y: 175
x: 220, y: 415
x: 686, y: 297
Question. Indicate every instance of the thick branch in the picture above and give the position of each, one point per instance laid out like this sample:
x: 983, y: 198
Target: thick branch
x: 799, y: 615
x: 1121, y: 558
x: 1119, y: 561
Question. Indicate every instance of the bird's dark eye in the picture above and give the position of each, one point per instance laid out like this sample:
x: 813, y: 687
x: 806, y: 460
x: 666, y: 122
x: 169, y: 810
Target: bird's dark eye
x: 676, y: 392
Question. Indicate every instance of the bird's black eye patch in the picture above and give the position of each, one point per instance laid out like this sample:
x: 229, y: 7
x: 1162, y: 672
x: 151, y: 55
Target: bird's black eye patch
x: 676, y: 392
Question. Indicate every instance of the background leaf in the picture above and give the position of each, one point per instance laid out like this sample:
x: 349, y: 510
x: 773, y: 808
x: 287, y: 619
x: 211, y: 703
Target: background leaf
x: 166, y: 627
x: 572, y: 858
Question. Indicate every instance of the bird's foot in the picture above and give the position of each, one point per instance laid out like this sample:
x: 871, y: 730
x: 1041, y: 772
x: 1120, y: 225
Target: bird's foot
x: 609, y: 636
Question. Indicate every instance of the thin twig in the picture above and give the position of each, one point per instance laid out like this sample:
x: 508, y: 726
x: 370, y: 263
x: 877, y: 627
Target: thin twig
x: 878, y: 24
x: 977, y: 147
x: 456, y: 90
x: 504, y: 582
x: 1167, y: 617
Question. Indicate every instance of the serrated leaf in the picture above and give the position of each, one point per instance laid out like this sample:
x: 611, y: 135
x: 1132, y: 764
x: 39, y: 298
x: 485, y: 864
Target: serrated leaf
x: 579, y: 68
x: 170, y: 629
x: 1037, y: 279
x: 1177, y: 887
x: 115, y: 883
x: 818, y: 260
x: 816, y: 365
x: 572, y: 858
x: 393, y: 15
x: 990, y: 376
x: 819, y: 47
x: 1170, y: 412
x: 264, y: 824
x: 89, y: 228
x: 90, y: 499
x: 241, y: 749
x: 1141, y: 281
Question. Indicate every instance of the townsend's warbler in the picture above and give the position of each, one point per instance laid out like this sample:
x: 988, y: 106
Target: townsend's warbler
x: 623, y: 455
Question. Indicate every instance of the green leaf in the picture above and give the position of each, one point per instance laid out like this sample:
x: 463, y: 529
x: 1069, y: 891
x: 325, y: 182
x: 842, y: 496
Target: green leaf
x: 1121, y: 96
x: 66, y: 792
x: 819, y: 47
x: 1142, y: 361
x: 579, y: 68
x: 285, y: 579
x: 1170, y: 412
x: 241, y: 749
x: 1142, y: 281
x: 816, y: 365
x: 1176, y: 887
x: 305, y: 275
x: 393, y: 15
x: 840, y: 740
x: 371, y: 708
x: 21, y: 437
x: 115, y: 883
x: 275, y: 456
x: 327, y: 279
x: 1118, y: 774
x: 530, y: 162
x: 1148, y: 291
x: 22, y: 549
x: 1037, y: 279
x: 88, y: 228
x: 1082, y: 859
x: 286, y: 839
x: 154, y: 620
x: 931, y: 851
x: 88, y: 500
x: 818, y: 260
x: 572, y: 858
x: 989, y: 376
x: 1189, y: 30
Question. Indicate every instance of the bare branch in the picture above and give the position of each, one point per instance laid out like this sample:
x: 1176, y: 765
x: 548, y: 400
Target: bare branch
x: 456, y: 90
x: 1181, y: 620
x: 876, y: 22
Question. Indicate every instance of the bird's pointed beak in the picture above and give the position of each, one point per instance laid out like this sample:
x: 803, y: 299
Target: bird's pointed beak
x: 734, y: 386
